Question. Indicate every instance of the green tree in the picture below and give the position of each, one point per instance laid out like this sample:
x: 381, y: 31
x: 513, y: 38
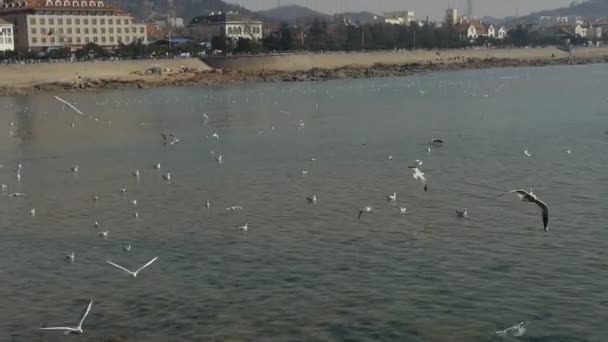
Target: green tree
x: 219, y: 43
x: 245, y: 45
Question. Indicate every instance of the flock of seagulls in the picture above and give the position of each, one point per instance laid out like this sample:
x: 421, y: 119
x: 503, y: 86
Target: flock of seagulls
x: 170, y: 139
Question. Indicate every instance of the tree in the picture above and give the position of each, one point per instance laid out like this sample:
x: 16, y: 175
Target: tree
x: 286, y: 38
x: 91, y: 50
x: 219, y: 43
x: 245, y: 45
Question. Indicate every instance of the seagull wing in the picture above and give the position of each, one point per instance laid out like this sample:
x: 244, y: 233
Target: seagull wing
x: 86, y: 313
x: 520, y: 193
x: 545, y: 211
x: 146, y: 265
x: 118, y: 266
x: 59, y: 328
x: 164, y: 136
x: 361, y: 211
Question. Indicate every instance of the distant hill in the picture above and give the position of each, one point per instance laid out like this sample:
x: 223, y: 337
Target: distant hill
x: 186, y: 9
x: 587, y: 9
x: 290, y: 13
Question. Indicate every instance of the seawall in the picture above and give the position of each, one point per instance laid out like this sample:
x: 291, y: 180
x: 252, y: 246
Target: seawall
x: 308, y: 61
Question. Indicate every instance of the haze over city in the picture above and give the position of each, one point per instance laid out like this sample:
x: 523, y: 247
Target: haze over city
x: 432, y: 8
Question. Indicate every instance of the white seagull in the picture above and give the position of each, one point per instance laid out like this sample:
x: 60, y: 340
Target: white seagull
x: 123, y: 191
x: 528, y: 196
x: 219, y: 159
x: 304, y: 173
x: 235, y: 208
x: 167, y: 177
x: 419, y: 162
x: 95, y: 198
x: 103, y: 234
x: 4, y: 187
x: 127, y: 248
x: 136, y: 215
x: 77, y: 329
x: 403, y: 210
x: 569, y: 151
x: 157, y: 166
x: 74, y: 168
x: 96, y: 224
x: 419, y: 175
x: 462, y: 214
x: 392, y: 198
x: 17, y: 194
x: 436, y: 142
x: 136, y: 173
x: 33, y: 212
x: 207, y: 204
x: 518, y: 330
x: 244, y: 228
x: 134, y: 202
x: 367, y: 209
x: 312, y: 199
x: 70, y: 257
x: 216, y: 136
x: 134, y: 274
x: 527, y: 153
x: 390, y: 157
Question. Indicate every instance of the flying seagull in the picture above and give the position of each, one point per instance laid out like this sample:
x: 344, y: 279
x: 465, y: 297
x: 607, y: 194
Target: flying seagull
x: 527, y: 153
x: 244, y: 228
x: 528, y: 196
x: 207, y: 204
x: 70, y: 257
x: 235, y: 208
x: 403, y: 210
x: 127, y: 248
x: 367, y: 209
x: 157, y: 166
x: 436, y: 142
x: 392, y: 198
x: 167, y: 177
x: 74, y: 168
x: 518, y: 330
x: 419, y: 175
x: 69, y: 105
x: 77, y: 329
x: 462, y: 214
x: 134, y: 274
x: 312, y: 199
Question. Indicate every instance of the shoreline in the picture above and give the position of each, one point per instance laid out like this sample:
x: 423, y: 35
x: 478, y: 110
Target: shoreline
x: 198, y: 73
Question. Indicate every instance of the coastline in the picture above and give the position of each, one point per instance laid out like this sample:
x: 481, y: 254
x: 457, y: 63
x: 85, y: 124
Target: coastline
x: 93, y: 76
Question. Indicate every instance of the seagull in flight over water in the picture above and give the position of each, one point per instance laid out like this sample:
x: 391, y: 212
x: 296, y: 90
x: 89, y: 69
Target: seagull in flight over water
x: 363, y: 210
x: 419, y: 175
x: 518, y: 330
x: 77, y: 329
x: 462, y: 214
x: 134, y: 274
x: 528, y: 196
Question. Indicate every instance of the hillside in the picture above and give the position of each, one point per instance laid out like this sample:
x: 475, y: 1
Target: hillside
x: 290, y: 13
x: 588, y: 9
x: 186, y: 9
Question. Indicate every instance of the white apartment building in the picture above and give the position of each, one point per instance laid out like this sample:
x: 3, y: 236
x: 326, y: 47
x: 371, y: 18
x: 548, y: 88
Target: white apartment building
x: 399, y: 18
x: 7, y: 41
x: 229, y: 25
x: 50, y: 24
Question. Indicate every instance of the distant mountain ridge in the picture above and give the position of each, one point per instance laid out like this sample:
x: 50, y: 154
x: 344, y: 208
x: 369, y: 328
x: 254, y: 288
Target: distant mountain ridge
x: 186, y: 9
x: 291, y: 13
x: 588, y: 9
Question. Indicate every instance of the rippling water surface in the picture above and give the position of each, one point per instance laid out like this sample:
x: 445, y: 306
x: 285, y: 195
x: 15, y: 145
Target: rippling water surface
x: 311, y: 272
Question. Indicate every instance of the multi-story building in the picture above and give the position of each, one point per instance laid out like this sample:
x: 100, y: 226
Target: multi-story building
x: 7, y: 42
x: 451, y: 16
x: 228, y: 25
x: 399, y: 18
x: 51, y: 24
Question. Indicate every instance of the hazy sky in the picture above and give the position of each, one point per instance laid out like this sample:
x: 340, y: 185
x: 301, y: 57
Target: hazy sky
x: 433, y: 8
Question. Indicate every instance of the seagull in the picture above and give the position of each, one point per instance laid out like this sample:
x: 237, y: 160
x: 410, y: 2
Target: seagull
x: 206, y: 117
x: 167, y: 177
x: 69, y: 105
x: 419, y: 175
x: 518, y: 330
x: 77, y: 329
x: 17, y: 194
x: 95, y: 198
x: 528, y: 196
x: 33, y: 212
x: 157, y: 166
x: 304, y: 173
x: 96, y: 224
x: 403, y: 210
x: 134, y: 202
x: 235, y: 208
x: 428, y: 150
x: 436, y: 142
x: 419, y: 162
x: 207, y: 204
x: 4, y: 187
x: 527, y: 153
x: 103, y: 234
x: 392, y: 198
x: 314, y: 159
x: 18, y: 175
x: 136, y: 173
x: 244, y: 228
x: 70, y: 257
x: 123, y: 191
x: 462, y: 214
x: 219, y: 159
x: 134, y: 274
x: 301, y: 125
x: 136, y: 215
x: 216, y: 136
x: 367, y: 209
x: 390, y: 157
x: 127, y: 248
x: 312, y: 199
x: 74, y: 168
x: 569, y: 151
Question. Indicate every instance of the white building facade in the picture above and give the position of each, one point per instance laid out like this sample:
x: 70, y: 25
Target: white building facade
x: 399, y: 18
x: 7, y: 40
x: 52, y: 24
x: 229, y: 25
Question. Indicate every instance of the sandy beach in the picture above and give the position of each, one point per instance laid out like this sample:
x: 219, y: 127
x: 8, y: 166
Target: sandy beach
x: 59, y: 77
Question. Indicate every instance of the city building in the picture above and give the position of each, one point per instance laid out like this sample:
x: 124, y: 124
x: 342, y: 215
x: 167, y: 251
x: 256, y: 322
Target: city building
x: 399, y: 18
x: 451, y: 16
x: 52, y: 24
x: 471, y: 30
x: 7, y: 42
x: 229, y: 25
x: 502, y: 33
